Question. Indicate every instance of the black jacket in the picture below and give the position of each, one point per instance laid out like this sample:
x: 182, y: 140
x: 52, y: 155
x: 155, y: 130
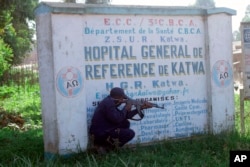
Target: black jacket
x: 108, y: 117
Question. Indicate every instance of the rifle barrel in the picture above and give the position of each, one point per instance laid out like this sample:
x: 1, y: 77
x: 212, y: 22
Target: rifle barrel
x: 157, y: 106
x: 137, y: 102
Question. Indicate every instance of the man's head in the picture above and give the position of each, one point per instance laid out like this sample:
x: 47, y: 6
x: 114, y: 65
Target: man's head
x: 118, y: 95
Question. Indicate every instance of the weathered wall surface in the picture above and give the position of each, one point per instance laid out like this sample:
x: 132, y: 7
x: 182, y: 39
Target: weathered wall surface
x: 177, y: 57
x: 221, y: 66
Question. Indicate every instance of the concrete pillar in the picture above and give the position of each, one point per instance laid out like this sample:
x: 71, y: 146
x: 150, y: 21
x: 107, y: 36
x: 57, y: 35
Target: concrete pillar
x: 220, y: 60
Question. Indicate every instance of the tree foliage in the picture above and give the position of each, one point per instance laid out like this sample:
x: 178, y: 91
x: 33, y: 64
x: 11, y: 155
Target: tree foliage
x: 70, y: 1
x: 6, y: 28
x: 5, y: 56
x: 246, y: 18
x: 205, y: 3
x: 15, y: 30
x: 97, y: 1
x: 236, y: 36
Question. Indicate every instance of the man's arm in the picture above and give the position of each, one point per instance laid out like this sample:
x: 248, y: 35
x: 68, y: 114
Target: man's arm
x: 115, y: 115
x: 132, y: 113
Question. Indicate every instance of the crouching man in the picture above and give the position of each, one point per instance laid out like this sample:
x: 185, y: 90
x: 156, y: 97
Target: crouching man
x: 110, y: 127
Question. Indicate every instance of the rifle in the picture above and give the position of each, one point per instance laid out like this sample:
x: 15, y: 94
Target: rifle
x: 139, y: 104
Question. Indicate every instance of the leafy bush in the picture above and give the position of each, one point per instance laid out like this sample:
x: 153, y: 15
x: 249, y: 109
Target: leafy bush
x: 5, y: 57
x: 20, y: 98
x: 23, y: 101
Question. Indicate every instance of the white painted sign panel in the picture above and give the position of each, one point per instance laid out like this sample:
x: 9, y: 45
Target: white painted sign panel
x: 160, y: 59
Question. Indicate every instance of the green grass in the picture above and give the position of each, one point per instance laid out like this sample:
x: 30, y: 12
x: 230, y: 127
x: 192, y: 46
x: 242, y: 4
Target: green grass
x: 246, y: 113
x: 23, y: 101
x: 26, y: 149
x: 16, y: 145
x: 24, y: 146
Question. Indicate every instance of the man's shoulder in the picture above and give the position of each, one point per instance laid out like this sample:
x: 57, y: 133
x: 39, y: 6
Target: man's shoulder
x: 107, y: 100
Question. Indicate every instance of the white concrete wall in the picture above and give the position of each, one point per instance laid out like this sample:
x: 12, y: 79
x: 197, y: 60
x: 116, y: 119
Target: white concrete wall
x: 63, y: 99
x: 221, y: 68
x: 47, y: 87
x: 70, y: 98
x: 84, y: 51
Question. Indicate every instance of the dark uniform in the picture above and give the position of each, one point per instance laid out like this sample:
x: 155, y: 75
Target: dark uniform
x: 110, y: 126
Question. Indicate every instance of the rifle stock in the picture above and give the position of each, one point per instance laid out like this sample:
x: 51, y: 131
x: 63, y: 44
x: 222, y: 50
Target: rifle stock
x: 139, y: 104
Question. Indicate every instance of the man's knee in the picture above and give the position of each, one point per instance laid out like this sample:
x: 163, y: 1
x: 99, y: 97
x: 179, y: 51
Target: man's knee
x: 132, y: 134
x: 128, y: 135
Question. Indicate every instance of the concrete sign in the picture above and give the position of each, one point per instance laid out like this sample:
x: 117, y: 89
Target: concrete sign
x: 245, y: 38
x: 157, y: 58
x: 176, y: 57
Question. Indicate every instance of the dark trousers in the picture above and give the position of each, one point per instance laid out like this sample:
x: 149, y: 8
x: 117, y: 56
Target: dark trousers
x: 116, y: 137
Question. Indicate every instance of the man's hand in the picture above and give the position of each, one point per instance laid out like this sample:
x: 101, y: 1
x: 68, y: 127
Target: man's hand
x: 128, y: 107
